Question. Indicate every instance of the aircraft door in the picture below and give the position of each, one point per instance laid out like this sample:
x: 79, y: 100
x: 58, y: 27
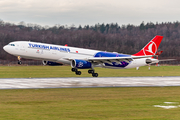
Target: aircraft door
x: 22, y: 47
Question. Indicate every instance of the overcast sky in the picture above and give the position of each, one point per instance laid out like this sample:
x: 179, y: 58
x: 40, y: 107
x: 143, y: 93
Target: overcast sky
x: 91, y: 12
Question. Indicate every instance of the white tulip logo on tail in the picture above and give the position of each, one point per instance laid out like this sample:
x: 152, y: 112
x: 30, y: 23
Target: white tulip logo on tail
x: 150, y: 49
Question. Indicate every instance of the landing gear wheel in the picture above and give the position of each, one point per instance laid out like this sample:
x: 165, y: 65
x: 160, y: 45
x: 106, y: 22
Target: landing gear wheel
x: 78, y: 72
x: 73, y: 69
x: 19, y: 62
x: 90, y: 71
x: 95, y: 74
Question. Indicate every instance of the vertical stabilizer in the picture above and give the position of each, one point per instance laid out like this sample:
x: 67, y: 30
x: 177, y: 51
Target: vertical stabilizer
x: 151, y: 48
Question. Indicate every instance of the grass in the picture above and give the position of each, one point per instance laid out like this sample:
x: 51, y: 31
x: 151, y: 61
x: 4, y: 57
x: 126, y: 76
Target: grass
x: 131, y: 103
x: 65, y: 71
x: 89, y: 103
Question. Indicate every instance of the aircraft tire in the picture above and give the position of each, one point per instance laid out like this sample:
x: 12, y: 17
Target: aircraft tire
x: 95, y: 74
x: 19, y: 62
x: 73, y: 69
x: 90, y: 71
x: 78, y: 72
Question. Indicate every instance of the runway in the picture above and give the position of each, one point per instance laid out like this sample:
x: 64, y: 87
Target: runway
x: 30, y: 83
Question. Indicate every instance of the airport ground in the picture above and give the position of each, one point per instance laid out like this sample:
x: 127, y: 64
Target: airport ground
x: 65, y: 71
x: 89, y: 103
x: 116, y: 103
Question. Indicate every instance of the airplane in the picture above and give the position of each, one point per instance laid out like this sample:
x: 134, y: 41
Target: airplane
x: 80, y: 58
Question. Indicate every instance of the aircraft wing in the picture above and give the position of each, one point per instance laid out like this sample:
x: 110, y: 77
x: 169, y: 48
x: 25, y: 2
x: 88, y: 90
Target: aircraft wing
x: 109, y: 60
x: 120, y: 58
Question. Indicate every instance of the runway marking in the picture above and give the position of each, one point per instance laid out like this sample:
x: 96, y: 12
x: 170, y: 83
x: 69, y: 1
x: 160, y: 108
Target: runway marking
x: 168, y: 105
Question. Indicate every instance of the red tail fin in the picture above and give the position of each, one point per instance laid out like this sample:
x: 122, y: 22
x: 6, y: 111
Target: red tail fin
x: 151, y: 48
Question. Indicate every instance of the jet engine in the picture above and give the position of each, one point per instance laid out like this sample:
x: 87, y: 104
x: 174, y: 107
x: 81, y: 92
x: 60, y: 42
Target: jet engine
x: 148, y: 61
x: 80, y: 64
x: 51, y: 63
x: 151, y: 61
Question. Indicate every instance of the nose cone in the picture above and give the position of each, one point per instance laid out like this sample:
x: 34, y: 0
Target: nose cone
x: 5, y: 48
x: 9, y: 49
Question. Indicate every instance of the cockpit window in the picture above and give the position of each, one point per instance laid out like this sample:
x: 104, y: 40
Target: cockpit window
x: 11, y: 44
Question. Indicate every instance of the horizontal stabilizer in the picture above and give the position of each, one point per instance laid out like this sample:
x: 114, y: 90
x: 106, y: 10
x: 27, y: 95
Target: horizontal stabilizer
x: 167, y: 59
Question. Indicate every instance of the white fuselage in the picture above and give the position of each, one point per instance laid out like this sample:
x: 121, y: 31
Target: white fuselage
x: 58, y: 53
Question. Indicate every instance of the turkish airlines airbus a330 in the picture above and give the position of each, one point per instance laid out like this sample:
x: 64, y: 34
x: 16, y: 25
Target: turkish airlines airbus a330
x: 80, y: 58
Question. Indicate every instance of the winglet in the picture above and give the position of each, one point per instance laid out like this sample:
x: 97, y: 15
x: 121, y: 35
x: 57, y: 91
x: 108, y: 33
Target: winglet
x: 151, y: 48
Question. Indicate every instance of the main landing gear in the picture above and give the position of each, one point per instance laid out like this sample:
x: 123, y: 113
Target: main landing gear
x: 92, y: 72
x: 89, y: 71
x: 76, y: 71
x: 19, y: 60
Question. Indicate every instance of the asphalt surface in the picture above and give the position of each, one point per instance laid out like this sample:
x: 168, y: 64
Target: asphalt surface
x: 28, y: 83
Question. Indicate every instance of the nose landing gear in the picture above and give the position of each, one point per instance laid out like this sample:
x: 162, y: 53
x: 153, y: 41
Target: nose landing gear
x: 19, y: 60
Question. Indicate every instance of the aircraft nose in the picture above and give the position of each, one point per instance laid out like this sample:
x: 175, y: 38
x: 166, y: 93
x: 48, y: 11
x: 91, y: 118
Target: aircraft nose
x: 5, y: 47
x: 9, y: 49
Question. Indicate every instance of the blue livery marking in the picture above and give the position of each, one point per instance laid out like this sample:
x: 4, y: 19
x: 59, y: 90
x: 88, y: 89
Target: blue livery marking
x: 82, y: 64
x: 115, y: 64
x: 48, y: 47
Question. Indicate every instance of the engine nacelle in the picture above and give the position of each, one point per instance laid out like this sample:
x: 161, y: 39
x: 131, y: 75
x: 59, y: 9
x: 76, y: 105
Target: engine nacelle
x: 80, y: 64
x: 148, y: 61
x: 51, y: 63
x: 151, y: 61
